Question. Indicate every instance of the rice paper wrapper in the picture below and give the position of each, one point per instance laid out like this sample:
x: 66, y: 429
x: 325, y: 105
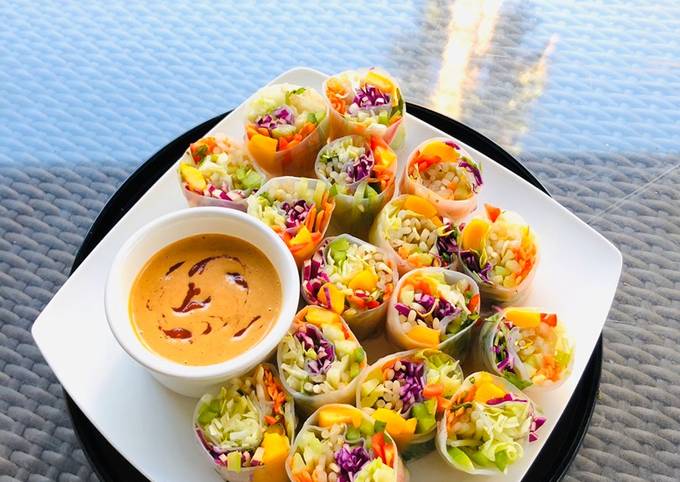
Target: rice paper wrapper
x: 259, y: 473
x: 420, y: 444
x: 309, y: 403
x: 442, y: 434
x: 293, y: 161
x: 457, y: 345
x: 354, y: 213
x: 485, y: 355
x: 447, y: 208
x: 378, y: 236
x: 362, y: 323
x: 288, y: 184
x: 501, y: 295
x: 401, y: 472
x: 195, y: 199
x: 341, y: 125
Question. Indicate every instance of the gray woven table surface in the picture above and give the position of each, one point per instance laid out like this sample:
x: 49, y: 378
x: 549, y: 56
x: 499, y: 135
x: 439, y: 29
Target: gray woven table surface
x: 587, y: 95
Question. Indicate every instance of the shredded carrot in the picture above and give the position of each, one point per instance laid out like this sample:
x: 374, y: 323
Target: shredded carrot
x: 269, y: 419
x: 311, y: 218
x: 356, y: 300
x: 283, y: 144
x: 292, y: 144
x: 251, y: 131
x: 263, y: 131
x: 433, y: 390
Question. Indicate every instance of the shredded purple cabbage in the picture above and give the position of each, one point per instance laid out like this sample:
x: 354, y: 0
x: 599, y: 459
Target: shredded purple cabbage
x: 350, y: 461
x: 507, y: 363
x: 536, y: 423
x: 475, y: 172
x: 411, y: 377
x: 444, y: 309
x: 312, y: 338
x: 296, y: 213
x: 370, y: 97
x: 402, y: 309
x: 447, y: 247
x: 361, y: 168
x: 282, y: 115
x: 471, y: 260
x: 508, y: 397
x: 313, y: 274
x: 425, y: 300
x: 452, y: 144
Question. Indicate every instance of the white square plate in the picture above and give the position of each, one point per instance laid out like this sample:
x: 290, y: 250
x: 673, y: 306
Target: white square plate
x: 151, y: 426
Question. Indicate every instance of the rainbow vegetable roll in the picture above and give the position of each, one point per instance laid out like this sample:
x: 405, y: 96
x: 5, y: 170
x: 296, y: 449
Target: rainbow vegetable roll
x: 499, y: 251
x: 215, y: 171
x: 352, y: 278
x: 361, y: 173
x: 320, y: 359
x: 286, y: 125
x: 440, y: 171
x: 527, y: 347
x: 298, y: 209
x: 487, y: 426
x: 247, y: 428
x: 406, y: 391
x: 367, y: 102
x: 434, y: 308
x: 409, y: 228
x: 338, y: 443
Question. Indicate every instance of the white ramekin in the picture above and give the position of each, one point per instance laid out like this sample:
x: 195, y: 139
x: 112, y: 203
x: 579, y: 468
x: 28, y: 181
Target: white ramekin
x: 194, y: 381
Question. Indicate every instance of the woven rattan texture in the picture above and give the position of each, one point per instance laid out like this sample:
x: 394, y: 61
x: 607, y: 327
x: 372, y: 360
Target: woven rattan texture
x: 586, y: 94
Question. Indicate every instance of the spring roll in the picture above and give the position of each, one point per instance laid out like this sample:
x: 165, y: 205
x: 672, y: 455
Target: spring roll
x: 527, y: 347
x: 286, y: 125
x: 434, y: 308
x: 361, y: 173
x: 499, y: 251
x: 488, y: 425
x: 320, y: 359
x: 216, y: 171
x: 367, y: 102
x: 298, y: 209
x: 409, y: 229
x: 352, y: 278
x: 442, y: 172
x: 339, y: 443
x: 407, y: 391
x: 247, y: 428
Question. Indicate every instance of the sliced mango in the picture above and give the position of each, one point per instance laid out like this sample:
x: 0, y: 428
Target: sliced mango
x: 364, y: 280
x: 319, y: 316
x: 420, y: 206
x: 337, y: 414
x: 380, y: 81
x: 425, y: 335
x: 192, y: 177
x: 337, y: 297
x: 398, y: 427
x: 523, y: 317
x: 263, y: 149
x: 441, y: 150
x: 276, y: 448
x: 386, y: 156
x: 487, y: 391
x: 303, y: 236
x: 474, y: 234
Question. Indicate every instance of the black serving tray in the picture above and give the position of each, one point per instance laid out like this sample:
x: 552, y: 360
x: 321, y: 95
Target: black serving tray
x: 558, y: 451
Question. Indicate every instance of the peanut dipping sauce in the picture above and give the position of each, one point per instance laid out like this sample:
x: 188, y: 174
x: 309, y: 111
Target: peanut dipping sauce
x: 205, y: 299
